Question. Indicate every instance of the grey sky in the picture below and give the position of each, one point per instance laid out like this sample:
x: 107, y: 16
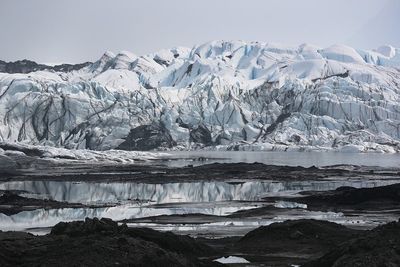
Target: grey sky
x: 81, y: 30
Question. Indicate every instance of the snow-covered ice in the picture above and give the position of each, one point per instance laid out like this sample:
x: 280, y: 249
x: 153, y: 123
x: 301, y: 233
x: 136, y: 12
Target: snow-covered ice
x: 224, y: 94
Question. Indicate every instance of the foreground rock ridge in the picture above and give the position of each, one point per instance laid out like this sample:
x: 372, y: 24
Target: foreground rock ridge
x: 222, y: 94
x: 102, y: 242
x: 95, y: 242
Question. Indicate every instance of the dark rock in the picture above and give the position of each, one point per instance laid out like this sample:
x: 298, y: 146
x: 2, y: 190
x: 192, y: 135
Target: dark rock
x: 341, y: 75
x: 179, y: 243
x: 295, y: 138
x: 87, y: 227
x: 182, y: 124
x: 70, y: 67
x: 21, y: 66
x: 189, y: 69
x: 161, y: 62
x: 281, y: 118
x: 10, y: 197
x: 99, y: 243
x: 12, y: 203
x: 378, y: 247
x: 27, y: 66
x: 197, y: 134
x: 344, y: 188
x: 201, y: 134
x: 169, y: 241
x: 310, y: 237
x: 148, y: 137
x: 356, y: 198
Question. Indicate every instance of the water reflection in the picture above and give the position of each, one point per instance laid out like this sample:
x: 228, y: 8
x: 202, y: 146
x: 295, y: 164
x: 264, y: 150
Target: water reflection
x: 239, y: 227
x: 89, y: 193
x: 139, y: 200
x: 304, y: 159
x: 45, y: 218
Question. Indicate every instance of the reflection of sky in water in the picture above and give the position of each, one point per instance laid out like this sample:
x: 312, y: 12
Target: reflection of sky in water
x: 305, y: 159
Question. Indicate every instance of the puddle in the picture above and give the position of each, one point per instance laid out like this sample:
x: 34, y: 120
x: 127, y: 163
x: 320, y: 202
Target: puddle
x: 231, y: 259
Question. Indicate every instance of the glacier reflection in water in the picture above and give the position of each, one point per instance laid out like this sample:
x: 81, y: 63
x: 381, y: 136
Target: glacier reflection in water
x: 139, y: 200
x: 100, y: 193
x: 45, y: 218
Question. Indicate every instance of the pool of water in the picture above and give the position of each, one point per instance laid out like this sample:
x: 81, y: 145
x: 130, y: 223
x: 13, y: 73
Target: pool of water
x: 141, y: 200
x: 304, y: 159
x: 187, y: 192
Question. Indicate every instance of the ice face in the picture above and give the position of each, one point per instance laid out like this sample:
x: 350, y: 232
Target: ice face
x: 245, y: 96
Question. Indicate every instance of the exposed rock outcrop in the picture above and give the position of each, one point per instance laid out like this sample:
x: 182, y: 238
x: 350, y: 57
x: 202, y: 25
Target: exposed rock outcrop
x: 147, y: 137
x: 100, y: 243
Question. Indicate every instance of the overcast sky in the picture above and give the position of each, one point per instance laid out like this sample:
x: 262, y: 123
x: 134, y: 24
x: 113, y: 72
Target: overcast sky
x: 74, y: 31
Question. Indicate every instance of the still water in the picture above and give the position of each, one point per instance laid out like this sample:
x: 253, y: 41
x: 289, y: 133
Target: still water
x: 219, y: 199
x: 131, y: 200
x: 304, y: 159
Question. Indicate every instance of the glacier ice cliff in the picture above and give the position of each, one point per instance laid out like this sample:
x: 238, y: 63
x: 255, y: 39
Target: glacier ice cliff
x: 220, y: 95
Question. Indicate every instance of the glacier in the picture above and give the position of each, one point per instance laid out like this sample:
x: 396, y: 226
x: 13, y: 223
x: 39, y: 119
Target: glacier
x: 221, y: 95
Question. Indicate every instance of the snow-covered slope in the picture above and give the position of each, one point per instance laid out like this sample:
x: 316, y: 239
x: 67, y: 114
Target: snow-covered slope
x: 224, y: 95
